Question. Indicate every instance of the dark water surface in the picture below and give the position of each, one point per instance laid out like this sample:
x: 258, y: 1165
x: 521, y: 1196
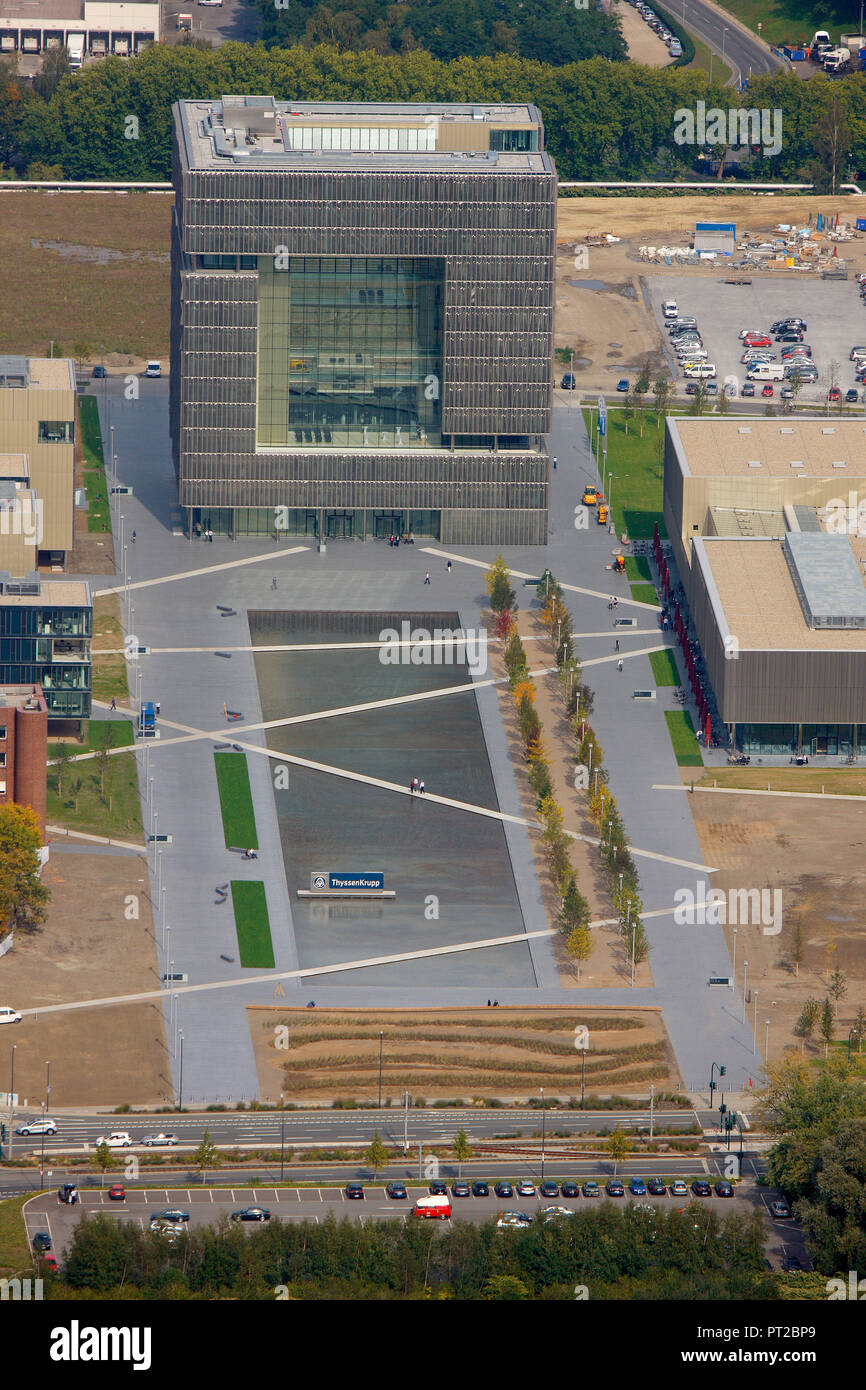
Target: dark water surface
x: 332, y: 824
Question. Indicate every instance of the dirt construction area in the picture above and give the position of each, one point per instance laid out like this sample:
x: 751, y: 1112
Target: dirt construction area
x: 87, y: 949
x: 327, y: 1055
x: 603, y: 312
x: 804, y: 849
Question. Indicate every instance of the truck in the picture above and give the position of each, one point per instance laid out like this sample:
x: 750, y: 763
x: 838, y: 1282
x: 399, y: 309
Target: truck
x: 836, y: 60
x: 147, y: 719
x: 75, y: 49
x: 184, y: 22
x: 433, y: 1208
x: 121, y: 48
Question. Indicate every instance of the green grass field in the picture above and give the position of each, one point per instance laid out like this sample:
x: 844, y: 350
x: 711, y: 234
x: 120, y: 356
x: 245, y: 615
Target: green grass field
x: 664, y: 668
x: 637, y: 568
x: 682, y: 732
x: 790, y: 20
x: 645, y: 593
x: 637, y: 468
x: 236, y: 802
x: 98, y: 512
x: 15, y: 1256
x: 707, y: 61
x: 252, y: 924
x: 81, y: 804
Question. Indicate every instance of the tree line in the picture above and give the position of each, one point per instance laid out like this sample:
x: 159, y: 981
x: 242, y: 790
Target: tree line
x: 603, y: 120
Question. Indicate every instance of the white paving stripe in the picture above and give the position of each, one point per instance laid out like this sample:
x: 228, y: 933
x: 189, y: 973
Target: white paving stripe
x: 521, y: 574
x: 623, y: 656
x: 762, y: 791
x: 206, y: 569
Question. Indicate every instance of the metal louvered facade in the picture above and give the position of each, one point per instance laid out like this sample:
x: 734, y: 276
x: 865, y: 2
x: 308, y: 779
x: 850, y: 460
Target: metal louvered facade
x: 489, y: 222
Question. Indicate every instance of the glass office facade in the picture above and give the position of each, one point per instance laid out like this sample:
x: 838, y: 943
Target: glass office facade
x: 50, y: 647
x: 350, y: 352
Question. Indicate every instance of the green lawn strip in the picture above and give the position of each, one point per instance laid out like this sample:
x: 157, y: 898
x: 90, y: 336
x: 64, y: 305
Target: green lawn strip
x: 721, y: 71
x: 98, y: 514
x: 664, y: 668
x: 637, y: 467
x: 82, y: 806
x: 686, y: 749
x: 782, y: 21
x: 636, y: 568
x: 15, y: 1256
x: 645, y: 593
x: 252, y: 924
x: 236, y: 801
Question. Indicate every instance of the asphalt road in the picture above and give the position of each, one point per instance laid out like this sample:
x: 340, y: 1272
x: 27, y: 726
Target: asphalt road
x: 743, y: 53
x: 254, y: 1128
x: 233, y: 20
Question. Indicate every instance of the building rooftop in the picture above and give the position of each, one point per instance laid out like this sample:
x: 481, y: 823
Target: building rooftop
x: 259, y: 132
x: 39, y: 12
x: 774, y: 448
x: 14, y: 466
x: 37, y: 373
x: 44, y: 593
x: 827, y: 578
x: 27, y: 697
x: 759, y: 601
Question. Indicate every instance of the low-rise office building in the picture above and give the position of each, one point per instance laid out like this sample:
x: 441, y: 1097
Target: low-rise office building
x: 362, y: 319
x: 37, y: 432
x: 121, y: 27
x: 46, y: 627
x: 23, y: 748
x: 767, y: 521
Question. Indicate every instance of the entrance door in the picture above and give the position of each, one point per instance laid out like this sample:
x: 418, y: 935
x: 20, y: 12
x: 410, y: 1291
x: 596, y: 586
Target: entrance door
x: 311, y: 523
x: 388, y: 524
x: 340, y: 525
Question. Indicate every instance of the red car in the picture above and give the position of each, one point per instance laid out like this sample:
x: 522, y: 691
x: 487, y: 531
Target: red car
x: 117, y: 1193
x: 768, y: 390
x: 756, y: 340
x: 834, y: 394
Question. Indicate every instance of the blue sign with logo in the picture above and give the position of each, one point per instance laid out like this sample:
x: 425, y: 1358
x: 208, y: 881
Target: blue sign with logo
x: 347, y: 883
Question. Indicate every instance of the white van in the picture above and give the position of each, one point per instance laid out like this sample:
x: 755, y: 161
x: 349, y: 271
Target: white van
x: 701, y: 369
x: 766, y: 371
x: 669, y: 308
x: 153, y: 369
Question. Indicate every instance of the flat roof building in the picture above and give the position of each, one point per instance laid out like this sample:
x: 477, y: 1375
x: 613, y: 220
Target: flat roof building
x: 121, y: 27
x: 769, y: 536
x: 23, y: 748
x: 37, y: 453
x: 362, y: 319
x: 46, y: 626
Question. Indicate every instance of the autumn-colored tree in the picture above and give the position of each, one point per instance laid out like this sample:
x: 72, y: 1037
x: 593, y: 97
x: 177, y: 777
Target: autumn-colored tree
x: 23, y: 896
x: 579, y: 944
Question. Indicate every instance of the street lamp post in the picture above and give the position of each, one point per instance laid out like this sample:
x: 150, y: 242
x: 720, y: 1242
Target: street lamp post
x: 745, y: 971
x: 724, y: 36
x: 542, y: 1133
x: 282, y: 1136
x: 12, y: 1095
x: 755, y: 1027
x: 734, y: 965
x: 180, y: 1078
x: 381, y: 1036
x: 582, y: 1077
x: 767, y: 1042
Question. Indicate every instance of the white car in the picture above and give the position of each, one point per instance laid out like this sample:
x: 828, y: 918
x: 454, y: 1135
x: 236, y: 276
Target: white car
x: 37, y: 1127
x: 701, y: 369
x: 153, y: 1139
x: 9, y: 1015
x: 153, y: 369
x: 118, y: 1140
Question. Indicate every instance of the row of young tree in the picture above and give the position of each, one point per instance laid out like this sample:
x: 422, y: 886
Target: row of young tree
x: 603, y: 120
x: 605, y: 1251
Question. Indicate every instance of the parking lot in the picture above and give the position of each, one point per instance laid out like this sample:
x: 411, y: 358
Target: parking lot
x: 833, y: 310
x: 207, y: 1205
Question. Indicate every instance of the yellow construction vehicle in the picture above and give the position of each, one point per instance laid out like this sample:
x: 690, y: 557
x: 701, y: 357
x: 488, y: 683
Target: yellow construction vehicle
x: 602, y: 514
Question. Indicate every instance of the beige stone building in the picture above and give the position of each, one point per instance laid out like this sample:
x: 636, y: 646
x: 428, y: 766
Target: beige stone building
x: 37, y: 456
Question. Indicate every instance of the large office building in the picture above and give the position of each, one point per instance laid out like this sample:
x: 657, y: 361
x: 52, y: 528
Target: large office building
x: 767, y: 520
x: 362, y: 319
x: 37, y: 461
x: 46, y: 627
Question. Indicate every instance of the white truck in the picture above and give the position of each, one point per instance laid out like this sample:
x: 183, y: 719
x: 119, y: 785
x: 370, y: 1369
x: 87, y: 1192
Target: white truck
x: 836, y: 60
x: 75, y: 49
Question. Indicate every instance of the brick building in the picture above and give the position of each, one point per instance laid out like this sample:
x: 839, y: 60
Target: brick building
x: 23, y: 747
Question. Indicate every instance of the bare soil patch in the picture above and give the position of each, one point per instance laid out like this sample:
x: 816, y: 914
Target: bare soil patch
x: 324, y: 1055
x: 87, y: 950
x: 643, y: 45
x: 812, y: 852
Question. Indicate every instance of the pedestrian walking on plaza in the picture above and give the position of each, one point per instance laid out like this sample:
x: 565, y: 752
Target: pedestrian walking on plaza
x: 133, y: 538
x: 158, y: 706
x: 421, y: 788
x: 113, y: 703
x: 617, y: 644
x: 274, y: 582
x: 427, y: 577
x: 448, y: 567
x: 619, y: 664
x: 554, y: 460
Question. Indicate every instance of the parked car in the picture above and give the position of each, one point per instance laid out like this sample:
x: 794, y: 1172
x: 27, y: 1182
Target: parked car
x: 757, y: 340
x: 553, y: 1213
x: 712, y: 388
x: 569, y: 1189
x: 791, y: 1265
x: 590, y: 1189
x: 747, y: 388
x: 117, y: 1192
x: 251, y: 1214
x: 159, y: 1140
x: 8, y: 1014
x: 42, y: 1241
x: 513, y: 1220
x: 724, y: 1189
x: 37, y: 1127
x: 480, y: 1188
x: 852, y: 396
x: 549, y: 1189
x: 637, y: 1187
x: 834, y: 394
x: 767, y: 390
x: 354, y: 1191
x: 68, y: 1194
x: 176, y: 1214
x: 525, y: 1188
x: 787, y: 393
x: 780, y: 1209
x: 656, y: 1188
x: 678, y: 1188
x: 700, y: 1188
x: 622, y: 384
x: 460, y: 1189
x: 99, y: 372
x: 397, y: 1191
x: 438, y: 1187
x: 614, y: 1188
x: 504, y: 1189
x: 690, y: 388
x: 569, y: 382
x: 789, y: 337
x: 47, y: 1258
x: 153, y: 368
x: 170, y: 1230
